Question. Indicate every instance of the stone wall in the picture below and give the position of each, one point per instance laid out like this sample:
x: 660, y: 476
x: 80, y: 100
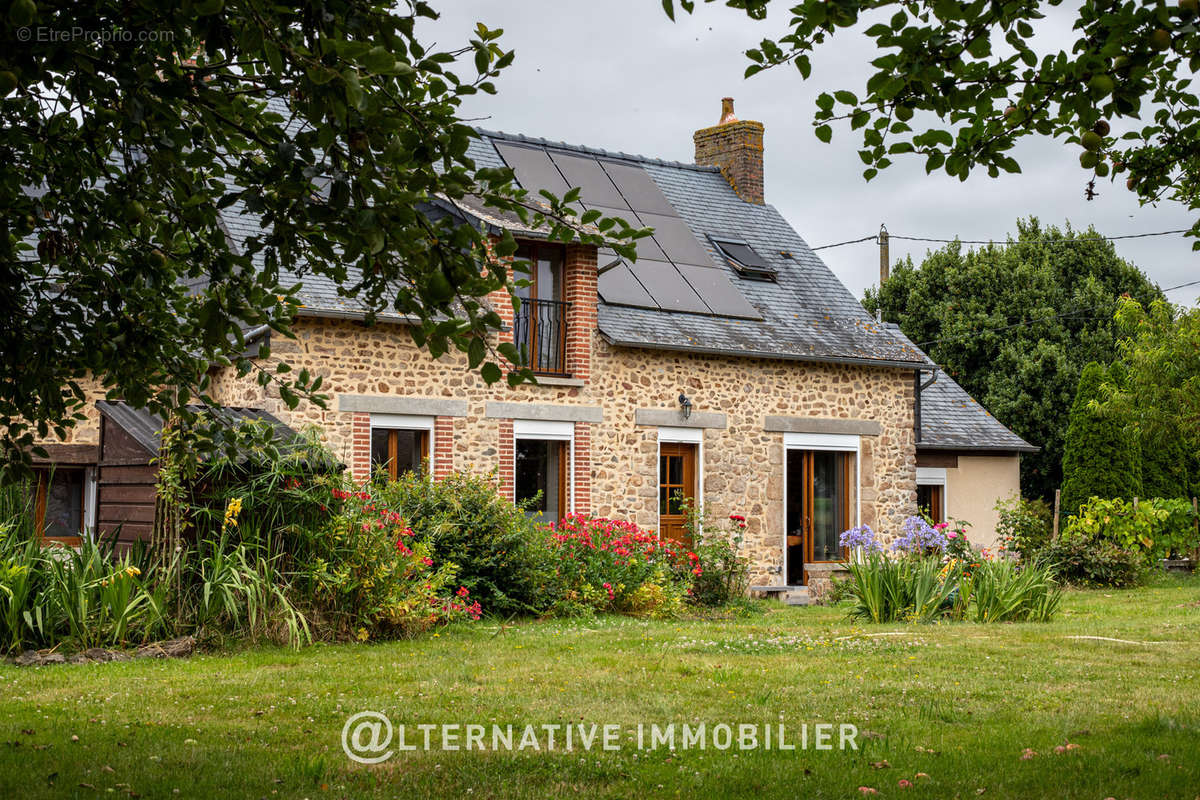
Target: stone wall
x: 742, y: 463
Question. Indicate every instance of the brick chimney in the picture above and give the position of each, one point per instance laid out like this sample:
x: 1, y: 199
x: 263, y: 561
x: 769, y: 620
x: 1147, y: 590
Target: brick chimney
x: 736, y: 147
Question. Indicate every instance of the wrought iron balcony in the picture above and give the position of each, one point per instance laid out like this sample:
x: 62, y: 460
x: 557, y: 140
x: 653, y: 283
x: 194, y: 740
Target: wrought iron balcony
x: 540, y: 331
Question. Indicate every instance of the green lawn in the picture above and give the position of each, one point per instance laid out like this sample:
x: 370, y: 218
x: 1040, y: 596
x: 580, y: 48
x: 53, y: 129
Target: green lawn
x: 958, y: 702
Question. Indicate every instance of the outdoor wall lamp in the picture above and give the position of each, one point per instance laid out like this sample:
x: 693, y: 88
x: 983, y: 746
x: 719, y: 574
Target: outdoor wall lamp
x: 685, y: 405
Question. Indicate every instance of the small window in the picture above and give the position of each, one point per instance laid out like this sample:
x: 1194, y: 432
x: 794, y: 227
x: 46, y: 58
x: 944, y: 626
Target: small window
x: 744, y: 259
x: 61, y: 498
x: 541, y: 478
x: 399, y: 444
x: 931, y: 501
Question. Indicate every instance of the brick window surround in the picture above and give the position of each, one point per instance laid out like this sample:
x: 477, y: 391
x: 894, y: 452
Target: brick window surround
x: 441, y: 456
x: 581, y: 464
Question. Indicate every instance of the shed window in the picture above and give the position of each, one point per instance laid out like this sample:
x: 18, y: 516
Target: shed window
x: 744, y: 259
x: 62, y: 504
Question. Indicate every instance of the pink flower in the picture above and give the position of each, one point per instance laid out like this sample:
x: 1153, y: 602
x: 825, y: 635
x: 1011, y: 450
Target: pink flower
x: 868, y: 790
x: 951, y: 535
x: 904, y: 783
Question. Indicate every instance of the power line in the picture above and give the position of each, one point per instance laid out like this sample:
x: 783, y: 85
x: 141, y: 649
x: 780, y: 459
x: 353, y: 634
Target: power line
x: 1181, y: 286
x: 874, y: 237
x: 1083, y: 238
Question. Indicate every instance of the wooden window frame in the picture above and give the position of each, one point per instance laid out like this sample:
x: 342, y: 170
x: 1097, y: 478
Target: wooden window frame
x: 846, y: 511
x: 528, y: 251
x: 850, y: 446
x: 937, y: 496
x: 43, y: 480
x: 394, y: 424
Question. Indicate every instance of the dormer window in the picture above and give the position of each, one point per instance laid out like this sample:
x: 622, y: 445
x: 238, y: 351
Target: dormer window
x: 744, y: 259
x: 540, y: 324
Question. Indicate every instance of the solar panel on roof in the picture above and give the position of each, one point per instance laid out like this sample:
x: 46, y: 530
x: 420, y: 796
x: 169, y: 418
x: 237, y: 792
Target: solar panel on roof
x: 594, y: 186
x: 638, y: 188
x: 676, y: 239
x: 533, y: 168
x: 717, y: 292
x: 646, y: 247
x: 668, y: 288
x: 618, y: 286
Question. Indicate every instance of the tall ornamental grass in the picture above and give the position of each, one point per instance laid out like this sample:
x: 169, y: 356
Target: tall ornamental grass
x: 929, y: 575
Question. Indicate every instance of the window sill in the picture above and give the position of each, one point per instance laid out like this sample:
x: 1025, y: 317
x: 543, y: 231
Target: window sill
x: 558, y: 380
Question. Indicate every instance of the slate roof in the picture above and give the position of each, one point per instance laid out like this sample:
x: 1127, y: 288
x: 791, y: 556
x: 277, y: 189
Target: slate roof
x: 952, y: 420
x: 146, y: 428
x: 807, y: 314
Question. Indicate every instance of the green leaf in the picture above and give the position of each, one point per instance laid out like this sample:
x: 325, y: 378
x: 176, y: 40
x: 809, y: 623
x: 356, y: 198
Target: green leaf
x: 476, y: 353
x: 490, y: 373
x: 824, y: 133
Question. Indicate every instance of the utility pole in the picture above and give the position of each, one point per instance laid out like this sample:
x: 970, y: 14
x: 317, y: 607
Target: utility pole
x: 884, y: 259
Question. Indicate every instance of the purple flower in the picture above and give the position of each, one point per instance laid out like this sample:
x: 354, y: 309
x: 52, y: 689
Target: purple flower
x: 863, y: 537
x: 919, y: 538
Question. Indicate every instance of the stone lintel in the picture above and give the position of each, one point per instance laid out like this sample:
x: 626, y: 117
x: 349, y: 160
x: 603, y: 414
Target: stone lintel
x: 860, y: 427
x: 417, y: 406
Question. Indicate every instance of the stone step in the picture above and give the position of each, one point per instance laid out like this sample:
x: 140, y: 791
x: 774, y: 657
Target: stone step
x: 798, y: 596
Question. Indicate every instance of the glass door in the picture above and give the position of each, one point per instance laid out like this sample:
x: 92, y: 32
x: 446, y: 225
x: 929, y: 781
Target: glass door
x: 819, y: 507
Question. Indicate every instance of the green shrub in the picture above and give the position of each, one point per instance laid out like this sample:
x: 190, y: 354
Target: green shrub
x: 1151, y: 530
x: 724, y: 570
x: 606, y: 565
x: 1024, y: 526
x: 1101, y: 456
x: 236, y: 589
x: 501, y: 554
x: 1083, y: 562
x: 1165, y: 465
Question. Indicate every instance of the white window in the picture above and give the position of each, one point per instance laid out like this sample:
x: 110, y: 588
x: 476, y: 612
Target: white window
x: 400, y: 443
x: 931, y: 492
x: 543, y: 468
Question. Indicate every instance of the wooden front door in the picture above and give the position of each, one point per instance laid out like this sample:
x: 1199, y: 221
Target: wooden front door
x: 676, y: 483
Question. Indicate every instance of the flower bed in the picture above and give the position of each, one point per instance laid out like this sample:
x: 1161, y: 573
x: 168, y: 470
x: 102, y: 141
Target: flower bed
x: 931, y: 572
x: 609, y: 565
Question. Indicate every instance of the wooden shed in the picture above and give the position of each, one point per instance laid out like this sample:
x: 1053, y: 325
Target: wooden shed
x: 127, y: 472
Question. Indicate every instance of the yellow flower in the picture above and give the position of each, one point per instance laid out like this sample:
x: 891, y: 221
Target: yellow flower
x: 131, y: 571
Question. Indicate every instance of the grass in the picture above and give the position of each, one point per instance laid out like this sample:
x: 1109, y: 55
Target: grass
x: 959, y: 702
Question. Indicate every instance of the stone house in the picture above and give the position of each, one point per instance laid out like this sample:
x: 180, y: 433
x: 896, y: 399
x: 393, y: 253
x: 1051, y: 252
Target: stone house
x: 727, y: 364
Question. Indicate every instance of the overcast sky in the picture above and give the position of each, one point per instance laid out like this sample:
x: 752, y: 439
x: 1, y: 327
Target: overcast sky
x: 618, y: 74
